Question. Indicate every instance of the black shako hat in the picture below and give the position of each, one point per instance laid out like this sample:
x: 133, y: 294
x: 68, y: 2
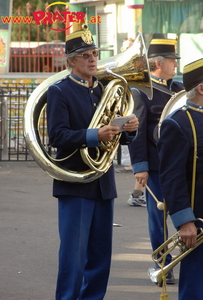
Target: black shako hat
x: 193, y: 74
x: 79, y: 40
x: 162, y: 47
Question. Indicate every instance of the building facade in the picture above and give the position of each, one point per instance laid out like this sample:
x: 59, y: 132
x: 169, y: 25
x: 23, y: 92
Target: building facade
x: 181, y: 19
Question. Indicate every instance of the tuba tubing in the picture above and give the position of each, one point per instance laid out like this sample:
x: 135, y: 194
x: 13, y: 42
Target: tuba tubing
x: 175, y: 102
x: 132, y: 66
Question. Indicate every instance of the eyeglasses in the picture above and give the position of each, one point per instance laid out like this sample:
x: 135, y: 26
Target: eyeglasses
x: 86, y: 55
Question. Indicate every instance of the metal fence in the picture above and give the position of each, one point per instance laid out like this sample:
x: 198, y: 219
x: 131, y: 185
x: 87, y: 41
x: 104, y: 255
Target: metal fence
x: 13, y: 100
x: 12, y: 105
x: 47, y: 57
x: 36, y: 48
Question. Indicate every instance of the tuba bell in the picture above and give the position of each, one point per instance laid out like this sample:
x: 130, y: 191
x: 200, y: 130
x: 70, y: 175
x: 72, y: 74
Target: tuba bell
x: 175, y: 102
x: 116, y: 73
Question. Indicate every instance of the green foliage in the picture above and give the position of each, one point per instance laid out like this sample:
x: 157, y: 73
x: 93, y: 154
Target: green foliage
x: 33, y: 32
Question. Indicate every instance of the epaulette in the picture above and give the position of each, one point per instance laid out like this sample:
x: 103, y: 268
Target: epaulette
x: 60, y: 80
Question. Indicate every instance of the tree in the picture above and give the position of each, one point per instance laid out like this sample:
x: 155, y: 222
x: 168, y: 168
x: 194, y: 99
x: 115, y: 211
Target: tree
x: 33, y: 32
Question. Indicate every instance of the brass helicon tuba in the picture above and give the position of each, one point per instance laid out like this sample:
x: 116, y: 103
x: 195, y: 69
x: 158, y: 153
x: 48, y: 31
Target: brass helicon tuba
x: 130, y: 68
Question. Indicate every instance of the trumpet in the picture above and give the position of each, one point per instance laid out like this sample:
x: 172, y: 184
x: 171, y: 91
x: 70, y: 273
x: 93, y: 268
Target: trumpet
x: 167, y: 247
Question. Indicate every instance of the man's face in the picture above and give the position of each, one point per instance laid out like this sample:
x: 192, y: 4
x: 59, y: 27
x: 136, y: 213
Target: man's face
x: 168, y: 68
x: 84, y: 65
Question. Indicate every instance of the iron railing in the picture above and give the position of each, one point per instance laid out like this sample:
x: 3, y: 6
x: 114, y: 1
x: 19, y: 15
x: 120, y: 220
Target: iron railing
x: 12, y: 106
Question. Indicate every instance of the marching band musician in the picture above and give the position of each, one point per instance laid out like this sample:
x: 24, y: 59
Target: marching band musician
x: 85, y: 210
x: 143, y: 150
x: 181, y: 176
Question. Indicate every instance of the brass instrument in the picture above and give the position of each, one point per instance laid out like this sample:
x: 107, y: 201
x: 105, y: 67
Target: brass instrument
x: 175, y: 102
x: 129, y: 68
x: 161, y: 252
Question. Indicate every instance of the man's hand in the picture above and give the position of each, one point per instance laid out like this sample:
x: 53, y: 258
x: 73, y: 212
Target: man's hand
x: 142, y: 177
x: 188, y: 234
x: 131, y: 125
x: 107, y: 133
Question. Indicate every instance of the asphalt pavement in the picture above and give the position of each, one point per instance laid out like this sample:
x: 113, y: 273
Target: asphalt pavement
x: 29, y: 239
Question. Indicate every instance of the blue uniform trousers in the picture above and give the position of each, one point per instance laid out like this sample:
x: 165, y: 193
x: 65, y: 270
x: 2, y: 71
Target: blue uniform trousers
x: 191, y: 276
x: 155, y: 216
x: 85, y: 229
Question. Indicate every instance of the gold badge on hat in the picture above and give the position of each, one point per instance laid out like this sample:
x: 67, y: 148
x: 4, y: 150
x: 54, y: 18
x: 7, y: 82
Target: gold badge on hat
x: 86, y: 36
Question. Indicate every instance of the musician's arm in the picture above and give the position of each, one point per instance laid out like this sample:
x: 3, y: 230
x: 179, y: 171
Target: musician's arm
x: 174, y: 150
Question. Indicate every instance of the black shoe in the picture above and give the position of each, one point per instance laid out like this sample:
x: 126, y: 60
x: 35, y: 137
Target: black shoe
x: 170, y: 279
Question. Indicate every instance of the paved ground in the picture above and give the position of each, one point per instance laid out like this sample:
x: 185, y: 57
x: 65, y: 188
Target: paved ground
x: 29, y: 239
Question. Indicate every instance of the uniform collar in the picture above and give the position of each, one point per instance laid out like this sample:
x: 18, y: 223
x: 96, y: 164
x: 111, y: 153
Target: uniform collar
x: 166, y: 83
x: 191, y: 104
x: 84, y: 82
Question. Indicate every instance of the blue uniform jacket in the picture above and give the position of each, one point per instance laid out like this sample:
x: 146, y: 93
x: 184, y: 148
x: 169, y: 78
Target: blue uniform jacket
x: 143, y: 150
x: 70, y: 108
x: 176, y: 148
